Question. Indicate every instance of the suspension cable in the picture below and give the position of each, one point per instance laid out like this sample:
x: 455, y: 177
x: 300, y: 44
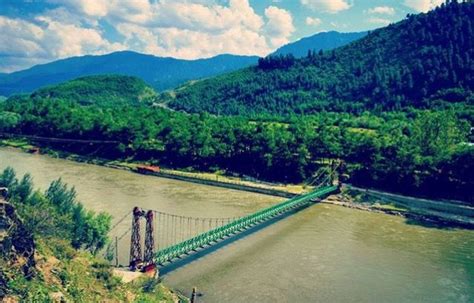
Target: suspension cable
x: 120, y: 221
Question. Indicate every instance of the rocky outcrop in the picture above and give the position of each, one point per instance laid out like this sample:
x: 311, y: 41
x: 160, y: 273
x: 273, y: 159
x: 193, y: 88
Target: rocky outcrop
x: 17, y: 247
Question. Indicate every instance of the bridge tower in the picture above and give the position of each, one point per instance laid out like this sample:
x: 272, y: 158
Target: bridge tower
x: 135, y: 244
x: 137, y: 260
x: 149, y: 238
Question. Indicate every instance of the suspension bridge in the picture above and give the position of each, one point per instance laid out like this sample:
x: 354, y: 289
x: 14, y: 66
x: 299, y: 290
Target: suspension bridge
x: 170, y: 237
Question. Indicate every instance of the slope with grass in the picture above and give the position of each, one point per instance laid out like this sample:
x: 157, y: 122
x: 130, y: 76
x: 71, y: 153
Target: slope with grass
x: 103, y: 89
x: 49, y: 250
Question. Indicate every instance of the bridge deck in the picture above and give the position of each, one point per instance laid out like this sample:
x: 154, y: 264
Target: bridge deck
x: 234, y: 227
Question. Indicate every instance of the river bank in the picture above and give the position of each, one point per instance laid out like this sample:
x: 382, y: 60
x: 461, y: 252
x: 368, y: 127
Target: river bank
x: 324, y: 253
x: 442, y: 213
x: 430, y: 213
x: 206, y: 178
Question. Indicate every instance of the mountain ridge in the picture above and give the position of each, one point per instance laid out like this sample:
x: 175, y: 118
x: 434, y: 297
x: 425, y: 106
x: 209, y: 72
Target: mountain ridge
x: 320, y: 41
x: 422, y: 61
x: 160, y: 72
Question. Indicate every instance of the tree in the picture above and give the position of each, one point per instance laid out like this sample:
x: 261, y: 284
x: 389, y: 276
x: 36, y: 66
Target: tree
x: 8, y: 120
x: 436, y: 134
x: 24, y: 189
x: 8, y: 179
x: 61, y: 196
x: 90, y: 230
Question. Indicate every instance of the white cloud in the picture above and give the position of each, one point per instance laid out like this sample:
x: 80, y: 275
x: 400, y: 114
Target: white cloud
x: 330, y: 6
x: 383, y: 10
x: 190, y: 30
x: 380, y: 21
x: 65, y: 40
x: 423, y: 5
x: 96, y: 8
x: 183, y: 43
x: 44, y: 39
x: 279, y: 26
x: 178, y: 28
x: 313, y: 21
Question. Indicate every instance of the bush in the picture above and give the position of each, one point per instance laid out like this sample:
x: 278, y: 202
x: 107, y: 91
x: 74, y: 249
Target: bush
x: 57, y: 212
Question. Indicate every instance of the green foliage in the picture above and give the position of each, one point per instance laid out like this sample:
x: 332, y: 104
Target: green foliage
x: 104, y: 274
x: 8, y: 121
x: 400, y: 151
x: 57, y: 212
x: 30, y: 291
x: 104, y: 89
x: 436, y: 134
x: 276, y: 62
x: 60, y: 196
x: 24, y: 188
x: 8, y: 179
x: 424, y: 61
x: 90, y: 230
x: 149, y: 285
x: 153, y: 291
x: 63, y: 272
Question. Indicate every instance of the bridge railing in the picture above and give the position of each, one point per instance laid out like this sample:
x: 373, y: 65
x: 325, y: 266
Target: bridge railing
x: 196, y: 242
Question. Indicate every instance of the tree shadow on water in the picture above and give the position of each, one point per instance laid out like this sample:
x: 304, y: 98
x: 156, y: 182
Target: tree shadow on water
x: 435, y: 222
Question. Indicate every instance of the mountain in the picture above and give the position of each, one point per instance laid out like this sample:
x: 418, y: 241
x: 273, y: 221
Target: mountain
x: 101, y: 89
x: 320, y: 41
x: 160, y: 73
x: 423, y: 61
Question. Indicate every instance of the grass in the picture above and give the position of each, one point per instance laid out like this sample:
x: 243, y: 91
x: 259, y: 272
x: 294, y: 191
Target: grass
x: 17, y: 143
x: 77, y: 276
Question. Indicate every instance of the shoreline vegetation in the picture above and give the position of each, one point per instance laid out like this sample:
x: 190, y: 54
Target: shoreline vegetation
x: 415, y: 151
x: 51, y: 249
x: 442, y: 213
x: 207, y: 178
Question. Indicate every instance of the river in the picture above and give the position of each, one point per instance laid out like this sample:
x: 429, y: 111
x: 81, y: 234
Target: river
x: 324, y: 253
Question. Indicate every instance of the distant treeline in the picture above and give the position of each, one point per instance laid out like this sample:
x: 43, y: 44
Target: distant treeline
x: 424, y: 61
x: 415, y: 152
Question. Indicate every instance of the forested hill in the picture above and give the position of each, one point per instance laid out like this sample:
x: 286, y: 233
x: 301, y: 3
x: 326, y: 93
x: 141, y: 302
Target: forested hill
x: 423, y: 61
x: 161, y: 73
x: 324, y: 41
x: 104, y: 89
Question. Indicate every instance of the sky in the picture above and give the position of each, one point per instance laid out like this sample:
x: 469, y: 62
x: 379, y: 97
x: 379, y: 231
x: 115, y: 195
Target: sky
x: 39, y: 31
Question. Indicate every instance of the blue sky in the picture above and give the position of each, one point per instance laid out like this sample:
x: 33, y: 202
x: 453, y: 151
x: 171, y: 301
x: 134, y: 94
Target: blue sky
x: 40, y: 31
